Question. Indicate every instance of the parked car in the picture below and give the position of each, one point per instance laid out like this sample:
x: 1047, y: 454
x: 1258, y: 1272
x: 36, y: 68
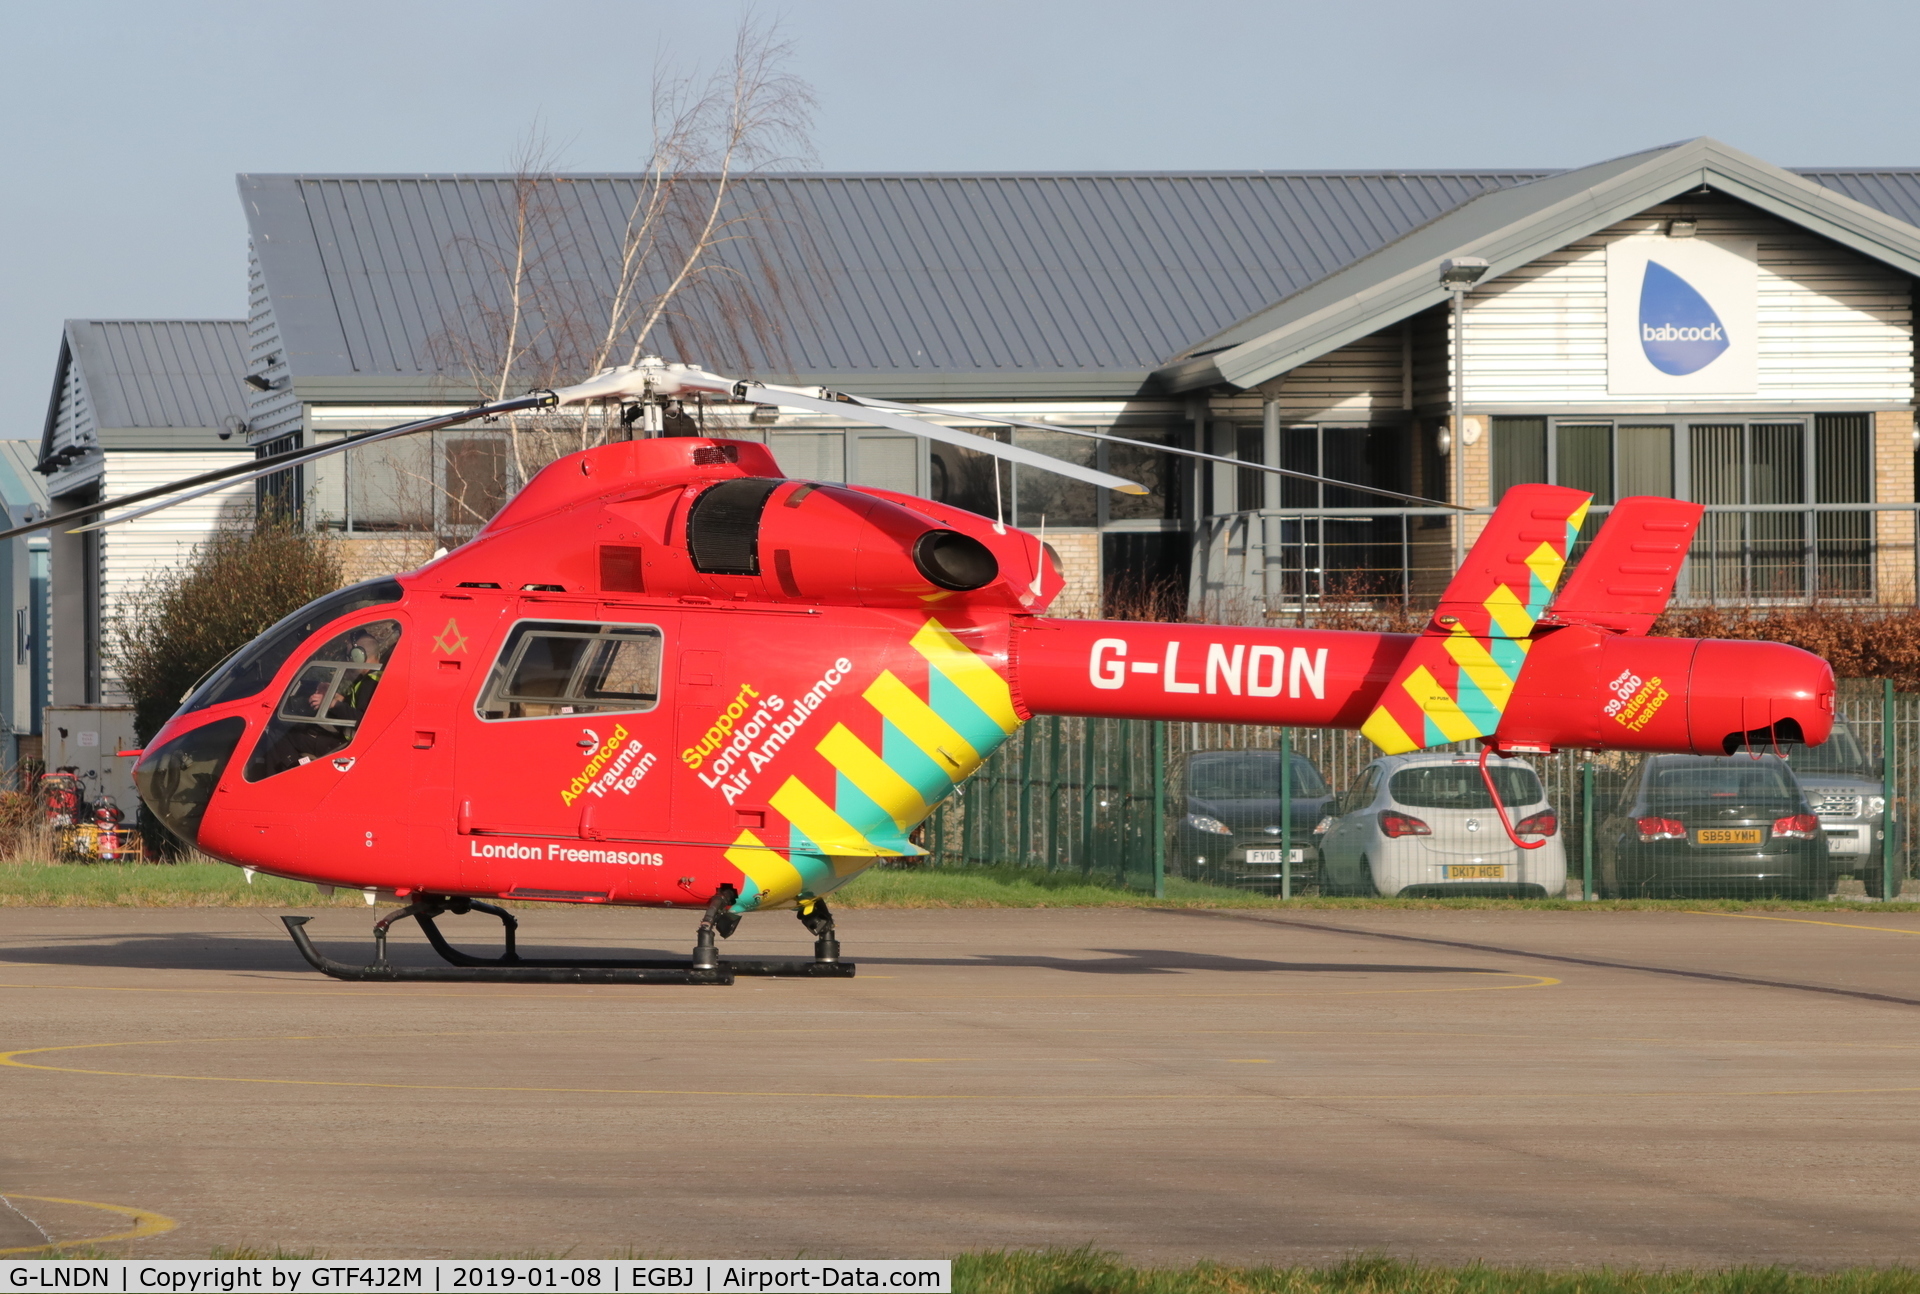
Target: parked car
x: 1230, y: 834
x: 1424, y: 826
x: 1847, y: 791
x: 1693, y: 826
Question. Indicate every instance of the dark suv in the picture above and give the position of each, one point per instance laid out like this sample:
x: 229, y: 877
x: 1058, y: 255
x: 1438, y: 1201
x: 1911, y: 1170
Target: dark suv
x: 1230, y: 833
x: 1691, y: 826
x: 1845, y: 787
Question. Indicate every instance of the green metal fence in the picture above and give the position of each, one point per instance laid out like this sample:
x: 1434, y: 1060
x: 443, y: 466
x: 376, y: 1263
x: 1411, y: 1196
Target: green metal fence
x: 1106, y: 798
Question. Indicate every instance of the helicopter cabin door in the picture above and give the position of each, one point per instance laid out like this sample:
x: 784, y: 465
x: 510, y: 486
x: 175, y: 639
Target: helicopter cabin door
x: 569, y: 748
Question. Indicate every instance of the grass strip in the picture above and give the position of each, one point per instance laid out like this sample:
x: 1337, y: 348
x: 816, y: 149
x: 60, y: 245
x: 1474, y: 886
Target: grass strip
x: 1087, y: 1271
x: 201, y: 884
x: 207, y: 884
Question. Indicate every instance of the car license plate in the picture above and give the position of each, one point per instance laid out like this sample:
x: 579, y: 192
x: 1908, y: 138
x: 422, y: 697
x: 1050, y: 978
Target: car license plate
x: 1476, y: 872
x: 1273, y: 856
x: 1727, y: 836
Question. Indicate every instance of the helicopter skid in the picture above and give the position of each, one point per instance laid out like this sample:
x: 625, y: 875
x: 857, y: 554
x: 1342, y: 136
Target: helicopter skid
x: 465, y: 968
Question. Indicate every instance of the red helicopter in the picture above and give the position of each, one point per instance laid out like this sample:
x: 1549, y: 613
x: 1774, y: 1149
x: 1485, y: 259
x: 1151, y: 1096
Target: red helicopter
x: 667, y: 675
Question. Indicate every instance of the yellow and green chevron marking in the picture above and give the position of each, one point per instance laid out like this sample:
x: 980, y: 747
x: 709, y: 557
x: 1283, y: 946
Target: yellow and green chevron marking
x: 1454, y: 683
x: 927, y: 746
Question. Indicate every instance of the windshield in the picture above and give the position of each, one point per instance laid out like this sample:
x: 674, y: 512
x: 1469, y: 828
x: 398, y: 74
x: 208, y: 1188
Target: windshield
x: 326, y: 699
x: 1250, y: 775
x: 1840, y: 753
x: 1459, y: 786
x: 249, y: 670
x: 177, y: 781
x: 1737, y: 780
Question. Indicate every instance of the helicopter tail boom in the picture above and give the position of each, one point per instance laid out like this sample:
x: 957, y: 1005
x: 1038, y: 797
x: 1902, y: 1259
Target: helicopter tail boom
x: 1581, y: 687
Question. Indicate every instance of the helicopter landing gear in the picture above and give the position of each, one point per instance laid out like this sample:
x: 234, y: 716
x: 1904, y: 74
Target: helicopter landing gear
x: 826, y: 963
x: 510, y: 967
x: 814, y: 916
x: 718, y: 921
x: 705, y: 966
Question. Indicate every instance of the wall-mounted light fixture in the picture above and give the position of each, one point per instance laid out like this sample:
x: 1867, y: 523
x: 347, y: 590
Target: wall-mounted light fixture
x: 259, y: 381
x: 1458, y: 273
x: 1683, y: 227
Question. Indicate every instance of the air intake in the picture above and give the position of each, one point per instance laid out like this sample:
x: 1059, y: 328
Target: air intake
x: 723, y: 532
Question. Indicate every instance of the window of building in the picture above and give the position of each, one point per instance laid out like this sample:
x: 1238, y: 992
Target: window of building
x: 1151, y: 467
x: 1030, y: 497
x: 278, y: 494
x: 1751, y: 472
x: 1058, y: 501
x: 1362, y: 552
x: 449, y: 483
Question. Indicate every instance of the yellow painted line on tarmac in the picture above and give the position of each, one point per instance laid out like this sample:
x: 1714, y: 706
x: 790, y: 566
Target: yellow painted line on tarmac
x: 1801, y: 921
x: 145, y: 1223
x: 12, y: 1059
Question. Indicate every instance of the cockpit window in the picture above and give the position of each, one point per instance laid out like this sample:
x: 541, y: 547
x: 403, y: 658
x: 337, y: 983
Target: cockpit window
x: 323, y: 705
x: 549, y: 668
x: 248, y: 671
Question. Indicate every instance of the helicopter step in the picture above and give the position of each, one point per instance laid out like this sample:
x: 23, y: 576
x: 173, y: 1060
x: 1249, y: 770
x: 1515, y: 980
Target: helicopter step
x: 704, y: 967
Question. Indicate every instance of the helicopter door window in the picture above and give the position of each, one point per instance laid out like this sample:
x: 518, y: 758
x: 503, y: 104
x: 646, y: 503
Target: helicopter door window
x: 555, y: 668
x: 323, y: 705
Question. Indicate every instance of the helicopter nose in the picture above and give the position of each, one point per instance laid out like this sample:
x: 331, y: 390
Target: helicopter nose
x: 1757, y: 693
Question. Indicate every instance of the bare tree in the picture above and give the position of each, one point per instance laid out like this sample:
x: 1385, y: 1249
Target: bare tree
x: 695, y: 263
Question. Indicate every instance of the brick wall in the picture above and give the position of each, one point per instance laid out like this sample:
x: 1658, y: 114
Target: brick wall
x: 1080, y: 557
x: 1893, y: 483
x: 366, y: 557
x: 1477, y: 473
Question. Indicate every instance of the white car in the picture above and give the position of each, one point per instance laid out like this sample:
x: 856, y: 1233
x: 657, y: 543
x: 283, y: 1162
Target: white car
x: 1424, y: 826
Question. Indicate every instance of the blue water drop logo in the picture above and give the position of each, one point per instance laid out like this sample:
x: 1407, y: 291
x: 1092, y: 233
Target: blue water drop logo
x: 1678, y: 329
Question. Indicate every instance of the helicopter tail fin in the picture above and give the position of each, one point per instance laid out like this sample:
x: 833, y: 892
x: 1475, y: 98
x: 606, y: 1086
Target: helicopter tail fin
x: 1455, y: 682
x: 1626, y: 577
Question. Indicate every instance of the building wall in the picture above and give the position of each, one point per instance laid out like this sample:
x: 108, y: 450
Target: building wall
x: 1834, y: 327
x: 73, y: 421
x: 130, y: 555
x: 1357, y: 383
x: 276, y: 412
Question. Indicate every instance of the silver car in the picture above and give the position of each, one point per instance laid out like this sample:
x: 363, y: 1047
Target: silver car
x: 1423, y: 825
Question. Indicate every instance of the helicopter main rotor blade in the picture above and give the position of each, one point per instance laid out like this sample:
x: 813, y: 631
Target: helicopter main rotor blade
x: 880, y: 415
x: 240, y: 473
x: 924, y: 409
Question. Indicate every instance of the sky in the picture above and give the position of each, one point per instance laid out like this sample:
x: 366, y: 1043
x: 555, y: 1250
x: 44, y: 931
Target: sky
x: 123, y: 124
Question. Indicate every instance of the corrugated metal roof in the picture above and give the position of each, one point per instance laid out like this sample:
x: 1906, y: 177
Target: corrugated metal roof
x: 903, y: 283
x: 161, y: 373
x: 914, y: 277
x: 1512, y: 227
x: 1892, y: 190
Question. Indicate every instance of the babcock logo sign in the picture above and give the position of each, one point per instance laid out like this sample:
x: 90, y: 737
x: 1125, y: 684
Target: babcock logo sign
x: 1678, y: 329
x: 1683, y: 316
